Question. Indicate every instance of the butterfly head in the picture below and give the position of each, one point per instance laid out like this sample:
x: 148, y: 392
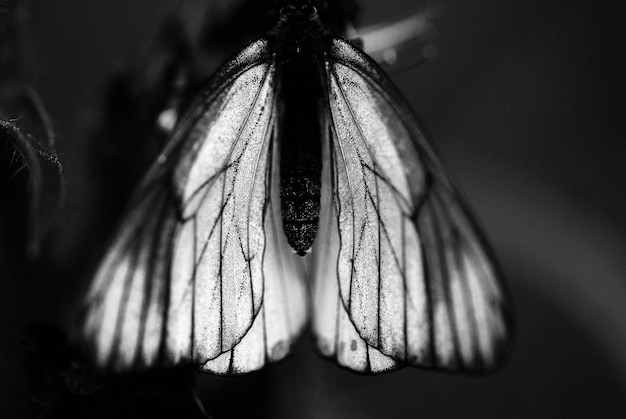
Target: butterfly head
x: 299, y: 10
x: 298, y: 30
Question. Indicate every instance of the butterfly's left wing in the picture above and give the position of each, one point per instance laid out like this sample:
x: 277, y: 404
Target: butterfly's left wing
x: 409, y: 268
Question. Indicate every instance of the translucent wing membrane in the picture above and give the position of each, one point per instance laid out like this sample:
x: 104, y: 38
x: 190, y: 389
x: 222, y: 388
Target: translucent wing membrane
x: 126, y: 306
x: 412, y: 274
x: 198, y: 268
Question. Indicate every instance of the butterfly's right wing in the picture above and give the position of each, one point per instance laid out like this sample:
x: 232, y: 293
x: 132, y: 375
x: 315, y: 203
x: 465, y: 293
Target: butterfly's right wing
x: 417, y: 283
x: 198, y: 272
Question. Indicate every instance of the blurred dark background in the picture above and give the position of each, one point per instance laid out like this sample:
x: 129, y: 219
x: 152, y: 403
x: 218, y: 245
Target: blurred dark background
x: 524, y: 100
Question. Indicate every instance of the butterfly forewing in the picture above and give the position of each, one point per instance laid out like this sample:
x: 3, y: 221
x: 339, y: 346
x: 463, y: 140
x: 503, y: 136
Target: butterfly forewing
x: 228, y: 216
x: 127, y: 302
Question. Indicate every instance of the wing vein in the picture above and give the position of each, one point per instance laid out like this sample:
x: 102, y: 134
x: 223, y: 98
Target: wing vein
x: 445, y: 273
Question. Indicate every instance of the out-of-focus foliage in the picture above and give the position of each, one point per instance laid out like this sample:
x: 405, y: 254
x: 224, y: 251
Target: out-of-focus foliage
x: 26, y: 143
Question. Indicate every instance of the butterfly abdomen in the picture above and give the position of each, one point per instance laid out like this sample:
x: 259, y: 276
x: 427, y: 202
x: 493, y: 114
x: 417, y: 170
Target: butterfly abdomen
x: 300, y: 204
x: 299, y: 133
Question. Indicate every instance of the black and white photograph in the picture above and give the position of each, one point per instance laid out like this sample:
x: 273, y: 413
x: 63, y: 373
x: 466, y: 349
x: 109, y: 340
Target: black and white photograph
x: 312, y: 209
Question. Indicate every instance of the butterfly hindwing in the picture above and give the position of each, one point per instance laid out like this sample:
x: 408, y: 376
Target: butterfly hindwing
x: 284, y: 311
x: 335, y: 334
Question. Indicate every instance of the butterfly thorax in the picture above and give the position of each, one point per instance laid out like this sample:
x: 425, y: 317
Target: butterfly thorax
x: 299, y: 53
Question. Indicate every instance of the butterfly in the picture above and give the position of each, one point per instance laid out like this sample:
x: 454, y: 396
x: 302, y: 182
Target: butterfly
x: 298, y: 188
